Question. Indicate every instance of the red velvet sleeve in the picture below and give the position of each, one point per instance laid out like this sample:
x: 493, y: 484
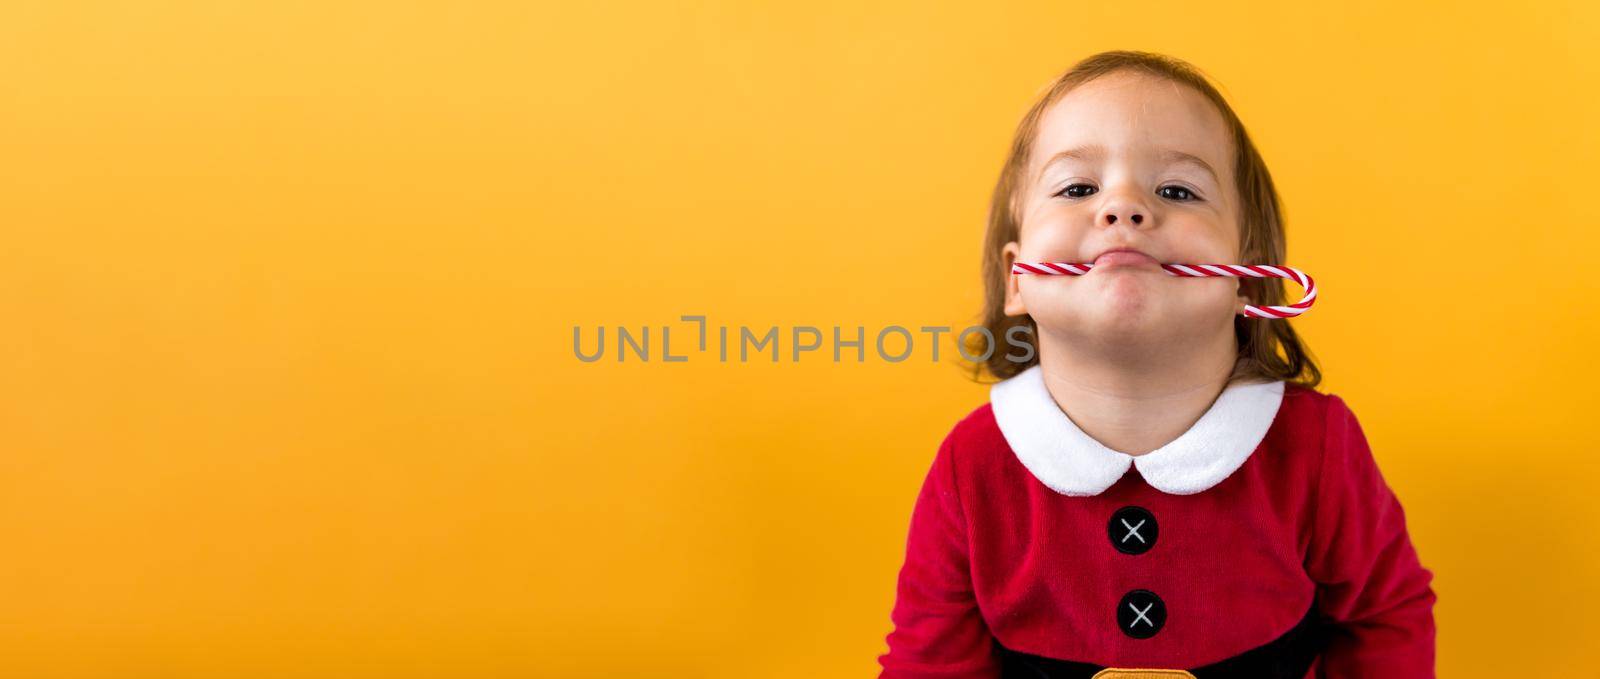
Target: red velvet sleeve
x: 1369, y: 579
x: 938, y: 631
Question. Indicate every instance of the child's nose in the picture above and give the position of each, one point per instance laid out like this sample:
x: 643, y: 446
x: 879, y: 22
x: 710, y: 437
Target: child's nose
x: 1122, y: 208
x: 1128, y: 213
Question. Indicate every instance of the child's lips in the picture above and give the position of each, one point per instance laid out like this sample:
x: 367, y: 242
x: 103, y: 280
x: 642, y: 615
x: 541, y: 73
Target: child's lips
x: 1125, y: 258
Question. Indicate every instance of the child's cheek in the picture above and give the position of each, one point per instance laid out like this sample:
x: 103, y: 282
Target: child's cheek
x: 1203, y: 242
x: 1051, y: 240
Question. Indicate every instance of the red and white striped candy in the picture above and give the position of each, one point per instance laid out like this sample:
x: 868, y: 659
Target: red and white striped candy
x: 1203, y: 270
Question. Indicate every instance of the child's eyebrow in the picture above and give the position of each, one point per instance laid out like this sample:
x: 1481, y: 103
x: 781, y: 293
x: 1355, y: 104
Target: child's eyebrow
x: 1176, y: 156
x: 1096, y: 152
x: 1092, y: 152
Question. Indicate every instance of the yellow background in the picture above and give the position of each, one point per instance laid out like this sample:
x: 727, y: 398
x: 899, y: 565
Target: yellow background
x: 287, y: 386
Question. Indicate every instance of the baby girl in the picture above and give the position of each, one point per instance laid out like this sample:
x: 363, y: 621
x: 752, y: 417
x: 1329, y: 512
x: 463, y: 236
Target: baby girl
x: 1158, y: 490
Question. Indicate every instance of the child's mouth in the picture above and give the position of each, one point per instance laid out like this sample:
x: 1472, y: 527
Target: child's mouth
x: 1125, y: 258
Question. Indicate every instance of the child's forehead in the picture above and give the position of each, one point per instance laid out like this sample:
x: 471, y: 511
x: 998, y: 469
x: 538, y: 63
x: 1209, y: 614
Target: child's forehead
x: 1125, y: 114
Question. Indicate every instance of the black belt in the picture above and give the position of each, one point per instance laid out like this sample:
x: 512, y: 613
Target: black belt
x: 1287, y: 657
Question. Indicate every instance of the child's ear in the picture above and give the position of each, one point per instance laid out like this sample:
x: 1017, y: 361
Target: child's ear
x: 1008, y: 255
x: 1243, y: 298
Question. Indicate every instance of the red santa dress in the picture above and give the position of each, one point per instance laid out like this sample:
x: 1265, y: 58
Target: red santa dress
x: 1262, y: 543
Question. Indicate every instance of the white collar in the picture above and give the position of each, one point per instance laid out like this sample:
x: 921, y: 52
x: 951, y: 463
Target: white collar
x: 1071, y: 462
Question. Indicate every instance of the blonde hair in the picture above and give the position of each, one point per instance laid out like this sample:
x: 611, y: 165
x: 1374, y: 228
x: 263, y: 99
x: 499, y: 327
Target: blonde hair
x: 1261, y: 227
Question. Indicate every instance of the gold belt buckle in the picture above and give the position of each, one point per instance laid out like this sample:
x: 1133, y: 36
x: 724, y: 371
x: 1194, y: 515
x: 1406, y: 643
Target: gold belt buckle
x: 1119, y: 673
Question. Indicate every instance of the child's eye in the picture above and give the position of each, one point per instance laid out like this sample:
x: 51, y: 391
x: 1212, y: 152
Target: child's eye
x: 1077, y: 190
x: 1175, y: 192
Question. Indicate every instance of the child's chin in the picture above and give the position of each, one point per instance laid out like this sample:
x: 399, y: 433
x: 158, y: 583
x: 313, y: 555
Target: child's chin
x: 1139, y: 319
x: 1129, y: 324
x: 1131, y: 319
x: 1126, y: 303
x: 1106, y: 321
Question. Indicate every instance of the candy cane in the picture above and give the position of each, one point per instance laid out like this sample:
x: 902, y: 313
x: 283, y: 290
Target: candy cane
x: 1203, y: 270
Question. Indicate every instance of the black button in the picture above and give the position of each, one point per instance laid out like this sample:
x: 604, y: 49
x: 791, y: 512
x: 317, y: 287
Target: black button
x: 1133, y: 530
x: 1141, y: 614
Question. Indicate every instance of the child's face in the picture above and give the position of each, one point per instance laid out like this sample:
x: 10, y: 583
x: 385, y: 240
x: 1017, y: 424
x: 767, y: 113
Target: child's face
x: 1121, y: 185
